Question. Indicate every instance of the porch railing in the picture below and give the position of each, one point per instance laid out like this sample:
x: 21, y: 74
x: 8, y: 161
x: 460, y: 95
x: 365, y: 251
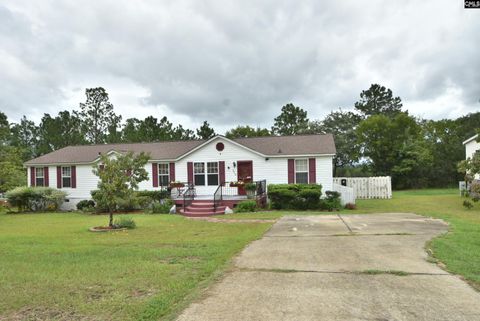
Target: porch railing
x: 224, y: 190
x: 188, y: 196
x: 218, y: 196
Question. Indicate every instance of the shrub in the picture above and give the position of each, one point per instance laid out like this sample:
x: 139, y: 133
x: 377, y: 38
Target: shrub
x: 153, y: 195
x: 85, y: 205
x: 475, y: 190
x: 467, y: 204
x: 134, y: 201
x: 294, y: 196
x: 162, y: 207
x: 124, y: 222
x: 332, y: 201
x: 36, y: 198
x: 246, y: 206
x: 350, y: 206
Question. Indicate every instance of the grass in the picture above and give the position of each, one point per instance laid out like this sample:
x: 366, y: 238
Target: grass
x: 50, y: 261
x: 459, y: 250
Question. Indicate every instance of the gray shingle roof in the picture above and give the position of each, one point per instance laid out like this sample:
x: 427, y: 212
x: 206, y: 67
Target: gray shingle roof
x: 268, y: 146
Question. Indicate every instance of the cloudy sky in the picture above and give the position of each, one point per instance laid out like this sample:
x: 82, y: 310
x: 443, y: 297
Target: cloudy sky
x: 237, y: 62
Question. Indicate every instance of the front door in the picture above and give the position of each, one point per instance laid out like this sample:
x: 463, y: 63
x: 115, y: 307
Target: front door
x: 245, y: 174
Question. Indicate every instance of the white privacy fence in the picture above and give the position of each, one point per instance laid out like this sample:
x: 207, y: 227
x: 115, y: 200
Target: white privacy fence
x: 368, y: 187
x: 347, y: 194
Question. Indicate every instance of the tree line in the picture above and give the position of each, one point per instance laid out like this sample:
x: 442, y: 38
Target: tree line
x: 376, y: 137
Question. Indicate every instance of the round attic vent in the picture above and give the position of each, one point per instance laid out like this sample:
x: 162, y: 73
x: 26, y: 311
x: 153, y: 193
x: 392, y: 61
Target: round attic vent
x: 220, y: 147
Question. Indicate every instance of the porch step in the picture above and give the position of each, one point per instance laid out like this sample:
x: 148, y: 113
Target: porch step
x: 190, y: 214
x: 202, y: 208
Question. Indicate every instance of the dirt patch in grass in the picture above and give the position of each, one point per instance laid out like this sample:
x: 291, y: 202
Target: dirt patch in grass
x: 45, y: 314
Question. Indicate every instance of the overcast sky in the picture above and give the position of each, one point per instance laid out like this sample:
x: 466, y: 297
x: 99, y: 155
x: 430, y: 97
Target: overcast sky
x: 237, y: 62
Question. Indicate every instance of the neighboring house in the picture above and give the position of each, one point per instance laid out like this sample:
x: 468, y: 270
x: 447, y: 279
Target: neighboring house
x: 472, y: 146
x: 204, y: 164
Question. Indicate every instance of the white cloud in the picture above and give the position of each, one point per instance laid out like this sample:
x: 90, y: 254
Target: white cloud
x: 234, y: 62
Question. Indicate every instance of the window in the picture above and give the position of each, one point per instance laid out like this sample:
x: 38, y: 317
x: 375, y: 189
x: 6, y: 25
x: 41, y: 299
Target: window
x: 212, y: 173
x: 66, y: 176
x: 163, y: 174
x: 301, y: 171
x: 39, y: 176
x: 199, y: 174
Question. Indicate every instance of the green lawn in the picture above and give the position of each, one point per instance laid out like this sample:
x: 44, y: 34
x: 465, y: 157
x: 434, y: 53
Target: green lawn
x: 50, y: 262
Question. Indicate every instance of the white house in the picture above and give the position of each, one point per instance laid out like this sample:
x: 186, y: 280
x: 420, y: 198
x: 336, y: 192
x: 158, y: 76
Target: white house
x: 472, y: 146
x: 206, y: 166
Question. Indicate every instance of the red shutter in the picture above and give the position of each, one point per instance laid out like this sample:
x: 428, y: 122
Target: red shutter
x: 312, y: 173
x: 190, y: 172
x: 155, y: 174
x: 129, y: 172
x: 101, y: 167
x: 59, y: 176
x: 291, y: 171
x: 45, y: 177
x: 32, y: 176
x: 74, y: 176
x: 172, y: 172
x: 221, y: 172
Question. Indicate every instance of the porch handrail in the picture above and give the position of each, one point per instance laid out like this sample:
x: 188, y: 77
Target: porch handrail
x: 218, y: 196
x: 188, y: 196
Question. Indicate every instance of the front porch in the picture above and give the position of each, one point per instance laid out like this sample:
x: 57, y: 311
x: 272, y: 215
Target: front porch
x: 190, y: 203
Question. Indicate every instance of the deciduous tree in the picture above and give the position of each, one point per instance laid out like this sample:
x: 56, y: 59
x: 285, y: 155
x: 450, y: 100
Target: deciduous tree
x: 119, y: 177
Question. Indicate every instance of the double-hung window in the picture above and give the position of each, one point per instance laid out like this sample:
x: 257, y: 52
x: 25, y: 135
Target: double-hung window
x: 39, y: 176
x: 301, y: 171
x: 66, y: 176
x: 212, y: 173
x: 199, y: 174
x: 205, y: 174
x: 163, y: 174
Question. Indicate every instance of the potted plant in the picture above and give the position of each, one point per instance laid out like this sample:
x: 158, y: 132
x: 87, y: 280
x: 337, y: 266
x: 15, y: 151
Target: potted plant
x: 176, y: 184
x: 237, y: 184
x: 250, y: 188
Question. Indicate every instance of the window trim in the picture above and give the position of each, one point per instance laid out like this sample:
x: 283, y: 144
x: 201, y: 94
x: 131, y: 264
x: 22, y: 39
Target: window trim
x: 306, y: 171
x: 217, y: 173
x: 206, y: 174
x: 65, y: 176
x: 160, y: 175
x: 38, y: 176
x: 200, y: 174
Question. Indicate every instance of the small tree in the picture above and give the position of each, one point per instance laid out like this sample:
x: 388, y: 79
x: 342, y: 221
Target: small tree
x: 119, y: 178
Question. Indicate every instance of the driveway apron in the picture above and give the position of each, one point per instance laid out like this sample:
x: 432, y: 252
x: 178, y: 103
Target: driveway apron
x: 340, y: 267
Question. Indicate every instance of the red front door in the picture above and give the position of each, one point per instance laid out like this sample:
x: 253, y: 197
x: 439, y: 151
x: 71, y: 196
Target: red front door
x: 245, y: 174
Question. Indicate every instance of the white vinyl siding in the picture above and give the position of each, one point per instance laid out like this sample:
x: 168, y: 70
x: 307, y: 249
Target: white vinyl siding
x: 273, y: 169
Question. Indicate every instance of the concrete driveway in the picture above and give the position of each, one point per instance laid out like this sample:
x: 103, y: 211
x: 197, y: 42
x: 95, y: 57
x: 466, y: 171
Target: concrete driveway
x: 340, y: 267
